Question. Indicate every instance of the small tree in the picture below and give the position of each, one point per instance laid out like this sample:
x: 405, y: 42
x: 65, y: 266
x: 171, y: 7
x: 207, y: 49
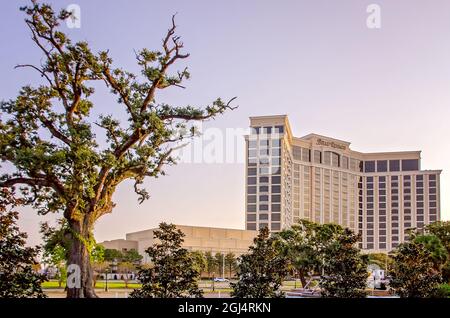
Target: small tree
x: 113, y: 255
x: 174, y: 273
x: 199, y: 261
x: 220, y: 264
x: 230, y: 263
x: 17, y: 276
x: 414, y: 272
x: 382, y: 260
x: 211, y: 263
x: 345, y: 268
x: 99, y: 268
x: 261, y: 271
x: 132, y: 256
x: 300, y: 245
x: 441, y: 230
x: 126, y: 268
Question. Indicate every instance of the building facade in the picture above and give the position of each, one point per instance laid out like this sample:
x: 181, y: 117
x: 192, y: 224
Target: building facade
x: 379, y: 195
x: 197, y: 238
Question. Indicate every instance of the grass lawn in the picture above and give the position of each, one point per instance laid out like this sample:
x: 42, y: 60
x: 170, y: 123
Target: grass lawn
x: 101, y: 284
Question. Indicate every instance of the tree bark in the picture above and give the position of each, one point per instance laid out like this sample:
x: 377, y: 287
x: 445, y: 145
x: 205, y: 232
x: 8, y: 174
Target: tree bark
x: 301, y: 274
x: 80, y: 282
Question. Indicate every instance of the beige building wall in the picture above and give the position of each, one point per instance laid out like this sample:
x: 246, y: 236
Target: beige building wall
x: 214, y: 240
x: 120, y: 245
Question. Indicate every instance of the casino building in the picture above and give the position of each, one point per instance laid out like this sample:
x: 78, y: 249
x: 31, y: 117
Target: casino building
x: 318, y: 178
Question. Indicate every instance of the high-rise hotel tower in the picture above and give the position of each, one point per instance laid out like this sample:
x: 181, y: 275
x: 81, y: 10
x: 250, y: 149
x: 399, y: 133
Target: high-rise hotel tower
x: 321, y: 179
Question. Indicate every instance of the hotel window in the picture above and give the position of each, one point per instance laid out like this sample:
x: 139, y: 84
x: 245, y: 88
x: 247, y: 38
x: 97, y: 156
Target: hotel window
x: 263, y: 143
x: 251, y: 171
x: 251, y: 208
x: 252, y: 153
x: 382, y: 165
x: 251, y: 217
x: 276, y: 198
x: 306, y: 155
x: 251, y: 226
x: 251, y: 190
x: 264, y: 216
x: 264, y: 152
x: 279, y: 130
x: 252, y: 144
x: 432, y: 177
x: 394, y: 165
x: 264, y: 198
x: 264, y: 170
x: 276, y: 161
x: 353, y: 164
x: 276, y: 216
x: 276, y: 189
x: 276, y: 207
x: 264, y: 207
x: 267, y: 130
x: 276, y: 226
x: 410, y: 165
x: 251, y: 198
x: 276, y: 152
x: 297, y: 152
x: 263, y: 225
x: 369, y: 166
x: 276, y: 170
x: 335, y: 159
x: 263, y: 188
x: 344, y: 162
x: 255, y: 130
x: 276, y: 143
x: 317, y: 156
x: 276, y: 180
x: 327, y: 158
x: 251, y: 180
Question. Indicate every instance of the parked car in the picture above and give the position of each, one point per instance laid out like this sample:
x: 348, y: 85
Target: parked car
x: 220, y: 280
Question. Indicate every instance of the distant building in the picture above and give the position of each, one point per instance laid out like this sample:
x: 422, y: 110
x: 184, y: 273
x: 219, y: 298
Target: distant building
x: 120, y: 245
x: 197, y: 238
x: 318, y: 178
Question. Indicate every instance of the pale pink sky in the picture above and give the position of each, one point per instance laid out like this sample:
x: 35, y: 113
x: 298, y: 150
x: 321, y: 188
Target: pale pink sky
x: 382, y: 89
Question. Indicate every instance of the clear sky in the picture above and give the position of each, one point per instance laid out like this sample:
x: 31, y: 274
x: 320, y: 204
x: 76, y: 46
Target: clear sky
x: 384, y: 89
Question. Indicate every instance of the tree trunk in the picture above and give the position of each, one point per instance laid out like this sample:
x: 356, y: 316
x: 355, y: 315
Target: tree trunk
x: 301, y: 274
x: 80, y: 279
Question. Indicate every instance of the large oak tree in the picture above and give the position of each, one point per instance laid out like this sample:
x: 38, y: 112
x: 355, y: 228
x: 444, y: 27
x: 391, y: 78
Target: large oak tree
x: 52, y: 142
